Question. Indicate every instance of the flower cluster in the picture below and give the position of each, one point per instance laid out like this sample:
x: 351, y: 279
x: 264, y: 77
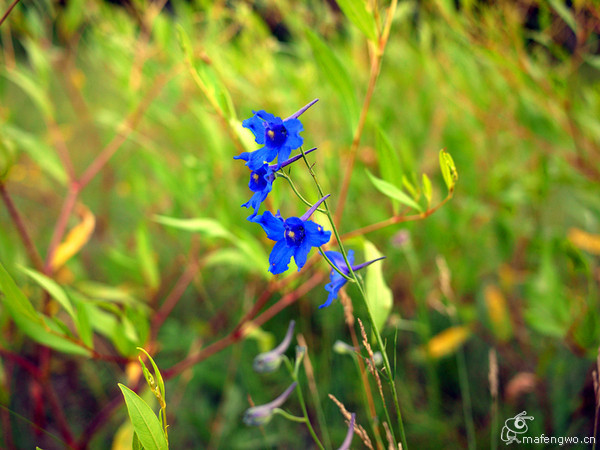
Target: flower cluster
x: 293, y: 236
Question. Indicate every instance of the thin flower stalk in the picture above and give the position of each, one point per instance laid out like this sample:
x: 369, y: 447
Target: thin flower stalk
x: 374, y: 326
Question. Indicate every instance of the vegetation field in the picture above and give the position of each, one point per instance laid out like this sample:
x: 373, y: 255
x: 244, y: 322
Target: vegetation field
x: 457, y: 152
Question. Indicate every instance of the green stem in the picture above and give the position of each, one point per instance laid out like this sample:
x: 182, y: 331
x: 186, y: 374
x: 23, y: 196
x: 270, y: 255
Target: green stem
x: 333, y: 266
x: 294, y: 373
x: 305, y: 412
x: 289, y: 416
x: 293, y: 186
x: 386, y: 360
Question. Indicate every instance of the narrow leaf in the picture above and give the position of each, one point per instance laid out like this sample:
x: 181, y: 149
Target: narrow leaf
x: 209, y: 227
x: 76, y: 239
x: 39, y: 152
x: 332, y: 70
x: 392, y: 191
x: 53, y: 288
x: 356, y: 12
x: 565, y: 13
x: 448, y: 170
x: 27, y: 319
x: 144, y: 421
x: 14, y: 299
x: 427, y: 189
x: 33, y: 89
x: 157, y: 374
x: 146, y: 258
x: 379, y: 295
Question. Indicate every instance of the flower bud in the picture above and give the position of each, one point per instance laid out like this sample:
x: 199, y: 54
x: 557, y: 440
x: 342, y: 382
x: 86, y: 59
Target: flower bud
x: 342, y: 348
x: 270, y: 361
x: 262, y: 414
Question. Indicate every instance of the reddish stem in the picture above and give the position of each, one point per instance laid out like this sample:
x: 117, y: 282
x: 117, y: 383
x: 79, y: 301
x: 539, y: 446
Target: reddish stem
x: 8, y: 11
x: 30, y: 248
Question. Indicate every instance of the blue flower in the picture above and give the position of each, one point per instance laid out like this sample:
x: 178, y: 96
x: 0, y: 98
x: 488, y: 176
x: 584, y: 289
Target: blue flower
x: 277, y: 136
x: 336, y: 280
x: 294, y: 236
x: 261, y: 181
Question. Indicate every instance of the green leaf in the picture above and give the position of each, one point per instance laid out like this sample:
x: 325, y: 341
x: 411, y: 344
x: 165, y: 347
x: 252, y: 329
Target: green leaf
x: 332, y: 70
x: 39, y: 152
x: 14, y: 299
x: 207, y: 76
x: 39, y: 328
x: 209, y: 227
x: 379, y: 295
x: 84, y: 326
x: 146, y: 258
x: 392, y: 191
x: 356, y: 12
x: 448, y: 170
x: 388, y: 159
x: 565, y: 13
x: 34, y: 90
x: 427, y: 189
x: 144, y: 421
x: 53, y: 288
x: 184, y: 42
x: 136, y: 444
x: 157, y: 374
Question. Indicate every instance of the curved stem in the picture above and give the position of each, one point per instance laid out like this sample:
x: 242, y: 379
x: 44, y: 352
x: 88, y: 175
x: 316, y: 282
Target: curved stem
x: 295, y: 189
x: 333, y: 266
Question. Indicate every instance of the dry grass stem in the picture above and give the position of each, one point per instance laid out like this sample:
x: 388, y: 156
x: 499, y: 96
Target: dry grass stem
x: 388, y: 436
x: 371, y: 361
x: 358, y: 429
x: 348, y: 309
x: 493, y: 373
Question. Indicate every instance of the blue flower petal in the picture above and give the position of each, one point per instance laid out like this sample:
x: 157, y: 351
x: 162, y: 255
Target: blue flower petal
x: 255, y: 202
x: 243, y: 156
x: 257, y: 126
x: 268, y: 117
x: 337, y: 281
x: 315, y: 234
x: 263, y: 155
x: 280, y: 257
x: 272, y: 225
x: 294, y: 126
x: 338, y: 259
x: 333, y: 289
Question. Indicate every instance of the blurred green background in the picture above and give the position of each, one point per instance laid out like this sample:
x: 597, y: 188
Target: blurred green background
x: 510, y: 89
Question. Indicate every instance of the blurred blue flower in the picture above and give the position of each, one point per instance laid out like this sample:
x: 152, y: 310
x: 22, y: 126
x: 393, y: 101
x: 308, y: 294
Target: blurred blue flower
x: 277, y: 136
x: 336, y: 280
x: 261, y: 181
x: 294, y: 236
x: 261, y: 415
x: 350, y: 434
x: 270, y: 361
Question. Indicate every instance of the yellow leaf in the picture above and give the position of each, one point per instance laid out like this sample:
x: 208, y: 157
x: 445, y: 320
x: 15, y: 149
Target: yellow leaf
x: 123, y: 437
x: 498, y: 312
x: 448, y: 341
x: 76, y: 238
x: 585, y: 241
